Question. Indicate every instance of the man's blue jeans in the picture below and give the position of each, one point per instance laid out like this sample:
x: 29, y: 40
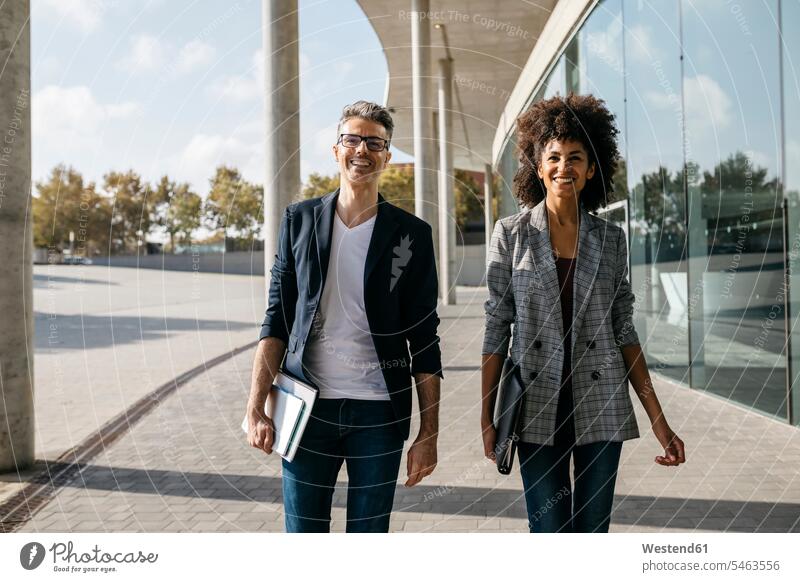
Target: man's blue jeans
x: 553, y: 504
x: 361, y: 433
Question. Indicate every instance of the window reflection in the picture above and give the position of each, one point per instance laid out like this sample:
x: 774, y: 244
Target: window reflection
x: 594, y: 65
x: 790, y: 16
x: 696, y: 90
x: 656, y: 183
x: 735, y: 222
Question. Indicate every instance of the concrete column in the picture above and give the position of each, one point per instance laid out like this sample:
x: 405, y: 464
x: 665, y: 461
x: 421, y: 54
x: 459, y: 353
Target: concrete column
x: 425, y: 200
x: 488, y: 215
x: 282, y: 115
x: 447, y: 202
x: 16, y: 239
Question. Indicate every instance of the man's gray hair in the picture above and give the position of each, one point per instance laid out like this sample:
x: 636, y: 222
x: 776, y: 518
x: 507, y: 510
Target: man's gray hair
x: 369, y: 111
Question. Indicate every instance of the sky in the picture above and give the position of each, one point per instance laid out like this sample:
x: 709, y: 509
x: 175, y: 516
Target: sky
x: 176, y: 87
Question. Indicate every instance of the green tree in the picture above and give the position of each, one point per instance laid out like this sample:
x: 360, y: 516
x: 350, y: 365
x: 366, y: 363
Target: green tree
x: 133, y: 209
x: 63, y: 203
x: 319, y: 185
x: 234, y: 205
x: 178, y: 210
x: 396, y: 185
x: 620, y: 179
x: 469, y: 199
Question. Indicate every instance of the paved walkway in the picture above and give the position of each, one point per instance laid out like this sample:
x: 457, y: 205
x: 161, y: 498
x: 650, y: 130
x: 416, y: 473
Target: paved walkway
x: 105, y: 337
x: 186, y: 466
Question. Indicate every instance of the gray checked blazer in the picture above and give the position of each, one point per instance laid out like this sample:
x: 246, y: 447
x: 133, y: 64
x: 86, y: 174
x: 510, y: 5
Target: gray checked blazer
x: 524, y: 303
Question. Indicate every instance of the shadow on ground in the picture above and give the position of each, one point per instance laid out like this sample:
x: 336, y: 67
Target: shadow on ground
x: 79, y: 332
x: 634, y: 510
x: 55, y: 281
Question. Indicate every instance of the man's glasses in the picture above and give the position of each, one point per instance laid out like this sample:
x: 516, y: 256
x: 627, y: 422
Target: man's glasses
x: 374, y: 143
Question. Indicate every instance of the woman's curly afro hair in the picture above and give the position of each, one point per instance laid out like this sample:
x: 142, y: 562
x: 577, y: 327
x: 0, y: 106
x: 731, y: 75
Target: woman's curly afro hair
x: 582, y: 118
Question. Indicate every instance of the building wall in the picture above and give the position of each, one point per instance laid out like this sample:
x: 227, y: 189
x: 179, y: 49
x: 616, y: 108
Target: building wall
x: 470, y: 263
x: 707, y: 100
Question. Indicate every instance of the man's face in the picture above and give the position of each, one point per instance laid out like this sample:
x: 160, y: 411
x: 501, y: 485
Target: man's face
x: 359, y: 165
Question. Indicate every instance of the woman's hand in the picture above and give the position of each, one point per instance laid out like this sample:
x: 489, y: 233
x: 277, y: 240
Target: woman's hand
x: 674, y: 452
x: 489, y: 435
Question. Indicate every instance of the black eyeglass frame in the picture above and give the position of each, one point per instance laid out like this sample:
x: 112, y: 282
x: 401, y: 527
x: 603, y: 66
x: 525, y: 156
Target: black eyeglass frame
x: 361, y: 138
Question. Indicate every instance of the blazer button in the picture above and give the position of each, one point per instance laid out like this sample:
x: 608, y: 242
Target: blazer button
x: 533, y: 375
x: 537, y: 344
x: 595, y: 375
x: 591, y: 344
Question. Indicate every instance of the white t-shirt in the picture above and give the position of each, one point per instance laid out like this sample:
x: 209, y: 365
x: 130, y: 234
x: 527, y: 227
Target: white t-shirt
x: 340, y: 358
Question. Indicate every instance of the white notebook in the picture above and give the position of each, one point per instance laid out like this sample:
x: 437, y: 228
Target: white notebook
x: 289, y: 406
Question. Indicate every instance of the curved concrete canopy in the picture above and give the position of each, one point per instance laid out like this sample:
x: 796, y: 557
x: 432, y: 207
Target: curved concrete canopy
x: 489, y: 41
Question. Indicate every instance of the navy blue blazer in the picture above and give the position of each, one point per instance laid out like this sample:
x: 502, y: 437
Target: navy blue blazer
x: 400, y: 292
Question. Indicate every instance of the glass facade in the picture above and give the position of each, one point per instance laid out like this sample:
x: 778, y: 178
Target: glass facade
x: 657, y: 233
x: 790, y: 16
x: 707, y: 99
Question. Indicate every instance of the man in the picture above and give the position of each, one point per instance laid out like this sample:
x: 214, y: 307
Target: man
x: 352, y: 288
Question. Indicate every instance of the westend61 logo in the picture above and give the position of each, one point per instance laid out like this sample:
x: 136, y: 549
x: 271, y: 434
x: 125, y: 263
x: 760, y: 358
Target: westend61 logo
x: 65, y: 559
x: 31, y: 555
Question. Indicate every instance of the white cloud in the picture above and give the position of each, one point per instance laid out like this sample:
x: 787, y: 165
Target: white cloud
x: 201, y: 156
x: 84, y: 14
x: 759, y: 159
x: 663, y: 100
x: 605, y: 45
x: 122, y: 110
x: 342, y: 68
x: 305, y: 63
x: 72, y: 116
x: 245, y: 87
x: 707, y: 104
x: 643, y: 48
x: 147, y: 53
x: 195, y: 54
x: 792, y: 166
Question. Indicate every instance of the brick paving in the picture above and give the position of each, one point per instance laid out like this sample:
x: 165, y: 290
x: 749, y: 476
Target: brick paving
x: 187, y: 467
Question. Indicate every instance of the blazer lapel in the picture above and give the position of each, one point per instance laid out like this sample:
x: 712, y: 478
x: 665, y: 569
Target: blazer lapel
x: 323, y: 227
x: 590, y: 248
x: 382, y: 234
x: 545, y: 273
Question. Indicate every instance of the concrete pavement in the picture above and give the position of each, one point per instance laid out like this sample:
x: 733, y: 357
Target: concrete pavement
x: 185, y: 466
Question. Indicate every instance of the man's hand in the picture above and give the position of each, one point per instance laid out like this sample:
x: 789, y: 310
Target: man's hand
x: 267, y: 361
x: 421, y: 459
x: 261, y: 431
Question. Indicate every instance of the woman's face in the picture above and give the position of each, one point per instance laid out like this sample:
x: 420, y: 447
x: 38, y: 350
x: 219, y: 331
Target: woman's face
x: 565, y: 168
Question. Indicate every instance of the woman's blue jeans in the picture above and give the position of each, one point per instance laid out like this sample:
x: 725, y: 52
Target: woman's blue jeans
x: 554, y: 505
x: 360, y: 433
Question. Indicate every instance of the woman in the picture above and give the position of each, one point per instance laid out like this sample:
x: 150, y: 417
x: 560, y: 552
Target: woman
x: 559, y: 274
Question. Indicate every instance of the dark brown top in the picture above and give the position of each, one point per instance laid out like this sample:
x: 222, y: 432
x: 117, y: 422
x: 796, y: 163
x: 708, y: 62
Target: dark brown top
x: 565, y: 431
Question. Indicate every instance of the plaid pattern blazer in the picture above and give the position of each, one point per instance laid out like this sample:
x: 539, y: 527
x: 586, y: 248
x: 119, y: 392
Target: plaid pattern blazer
x: 524, y: 304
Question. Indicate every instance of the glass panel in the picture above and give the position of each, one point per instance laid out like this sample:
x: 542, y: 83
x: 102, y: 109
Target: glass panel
x: 507, y: 204
x: 599, y: 71
x: 731, y: 92
x: 655, y: 179
x: 555, y: 83
x: 790, y: 16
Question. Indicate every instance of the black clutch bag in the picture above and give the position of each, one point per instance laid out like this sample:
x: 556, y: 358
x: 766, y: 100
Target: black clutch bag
x: 511, y: 392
